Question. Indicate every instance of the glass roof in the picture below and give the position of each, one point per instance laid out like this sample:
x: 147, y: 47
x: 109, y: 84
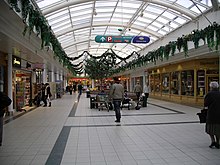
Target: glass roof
x: 77, y: 22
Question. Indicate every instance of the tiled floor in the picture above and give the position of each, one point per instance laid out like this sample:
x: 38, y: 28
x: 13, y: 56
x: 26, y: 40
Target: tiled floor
x: 70, y: 133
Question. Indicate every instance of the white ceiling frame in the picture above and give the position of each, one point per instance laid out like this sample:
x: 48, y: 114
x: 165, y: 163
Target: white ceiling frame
x: 165, y: 3
x: 71, y: 54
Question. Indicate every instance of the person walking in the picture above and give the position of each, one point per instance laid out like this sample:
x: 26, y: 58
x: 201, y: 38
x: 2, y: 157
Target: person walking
x: 48, y: 94
x: 80, y: 87
x: 4, y: 102
x: 43, y: 96
x: 138, y: 90
x: 212, y: 102
x: 146, y: 93
x: 70, y: 89
x: 116, y: 93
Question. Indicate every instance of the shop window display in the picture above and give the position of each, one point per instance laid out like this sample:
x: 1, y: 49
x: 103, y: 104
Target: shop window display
x: 22, y: 89
x: 165, y: 83
x: 174, y: 83
x: 151, y: 79
x: 157, y: 82
x: 187, y: 83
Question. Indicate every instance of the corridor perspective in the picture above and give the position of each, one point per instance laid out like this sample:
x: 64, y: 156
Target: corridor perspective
x: 70, y: 133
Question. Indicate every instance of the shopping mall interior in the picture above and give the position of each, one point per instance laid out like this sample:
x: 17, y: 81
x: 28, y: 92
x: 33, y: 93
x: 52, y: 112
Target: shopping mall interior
x: 172, y: 45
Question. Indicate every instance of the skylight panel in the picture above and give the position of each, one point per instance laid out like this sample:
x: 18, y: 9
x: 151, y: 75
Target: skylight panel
x: 81, y: 18
x: 143, y: 19
x: 173, y: 25
x: 58, y: 28
x: 103, y: 15
x: 140, y: 24
x: 162, y: 32
x: 144, y: 34
x: 149, y: 15
x: 153, y: 28
x: 131, y: 33
x: 207, y: 2
x: 44, y: 4
x: 59, y: 22
x: 166, y: 28
x: 124, y: 16
x: 82, y: 7
x: 168, y: 15
x: 135, y: 31
x: 157, y: 24
x: 65, y: 38
x: 61, y: 29
x: 103, y: 19
x: 79, y: 14
x: 103, y: 10
x: 105, y: 3
x: 195, y: 9
x: 154, y: 9
x: 80, y: 22
x: 59, y: 14
x: 180, y: 20
x: 162, y: 20
x: 185, y: 3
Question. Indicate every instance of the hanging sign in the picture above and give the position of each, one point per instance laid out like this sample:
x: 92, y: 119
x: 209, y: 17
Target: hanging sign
x: 122, y: 39
x: 16, y: 61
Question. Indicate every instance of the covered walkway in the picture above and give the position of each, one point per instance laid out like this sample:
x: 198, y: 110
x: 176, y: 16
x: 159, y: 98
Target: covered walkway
x: 70, y: 133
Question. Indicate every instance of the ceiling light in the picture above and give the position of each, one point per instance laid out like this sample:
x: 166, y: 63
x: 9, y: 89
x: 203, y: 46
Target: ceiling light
x: 142, y: 14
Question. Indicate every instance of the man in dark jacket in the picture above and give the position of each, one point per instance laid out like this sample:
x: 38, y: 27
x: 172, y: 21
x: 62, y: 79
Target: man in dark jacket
x: 212, y: 101
x: 117, y: 94
x: 4, y: 102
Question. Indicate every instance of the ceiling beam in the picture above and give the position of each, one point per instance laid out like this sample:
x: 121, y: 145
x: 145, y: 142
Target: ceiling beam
x: 167, y: 4
x: 139, y: 28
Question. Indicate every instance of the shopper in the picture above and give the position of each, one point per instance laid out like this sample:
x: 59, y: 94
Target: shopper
x: 48, y: 94
x: 212, y: 102
x: 43, y: 97
x: 116, y: 93
x: 70, y: 89
x: 80, y: 87
x: 74, y: 87
x: 138, y: 90
x: 4, y: 102
x: 146, y: 93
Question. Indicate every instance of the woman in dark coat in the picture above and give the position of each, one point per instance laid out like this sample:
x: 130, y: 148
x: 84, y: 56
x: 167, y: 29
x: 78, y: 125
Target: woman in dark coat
x: 212, y: 101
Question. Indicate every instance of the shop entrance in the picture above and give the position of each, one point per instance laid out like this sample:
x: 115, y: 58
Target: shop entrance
x: 21, y: 89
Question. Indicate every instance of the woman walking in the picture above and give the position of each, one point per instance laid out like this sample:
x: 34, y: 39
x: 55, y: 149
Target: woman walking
x: 212, y: 101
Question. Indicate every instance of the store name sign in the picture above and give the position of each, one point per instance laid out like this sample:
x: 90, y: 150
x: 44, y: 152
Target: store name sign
x: 122, y: 39
x: 16, y: 62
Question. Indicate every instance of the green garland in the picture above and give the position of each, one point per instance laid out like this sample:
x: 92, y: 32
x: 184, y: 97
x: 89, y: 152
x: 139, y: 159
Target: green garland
x: 38, y: 22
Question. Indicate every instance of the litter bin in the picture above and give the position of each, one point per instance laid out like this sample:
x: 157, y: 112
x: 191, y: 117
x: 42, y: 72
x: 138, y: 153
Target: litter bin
x: 144, y: 104
x: 92, y: 102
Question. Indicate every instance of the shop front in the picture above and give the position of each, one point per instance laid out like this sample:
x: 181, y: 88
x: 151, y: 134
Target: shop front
x: 21, y: 83
x: 3, y: 73
x: 185, y: 82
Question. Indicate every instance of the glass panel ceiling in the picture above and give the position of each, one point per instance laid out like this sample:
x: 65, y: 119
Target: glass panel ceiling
x: 77, y: 22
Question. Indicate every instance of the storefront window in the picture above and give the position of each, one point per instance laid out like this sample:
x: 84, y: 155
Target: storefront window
x: 157, y: 82
x: 152, y: 89
x: 187, y: 83
x: 174, y: 82
x: 201, y: 83
x: 165, y: 83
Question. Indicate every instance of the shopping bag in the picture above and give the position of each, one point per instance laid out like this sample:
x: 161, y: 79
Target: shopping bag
x: 202, y: 115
